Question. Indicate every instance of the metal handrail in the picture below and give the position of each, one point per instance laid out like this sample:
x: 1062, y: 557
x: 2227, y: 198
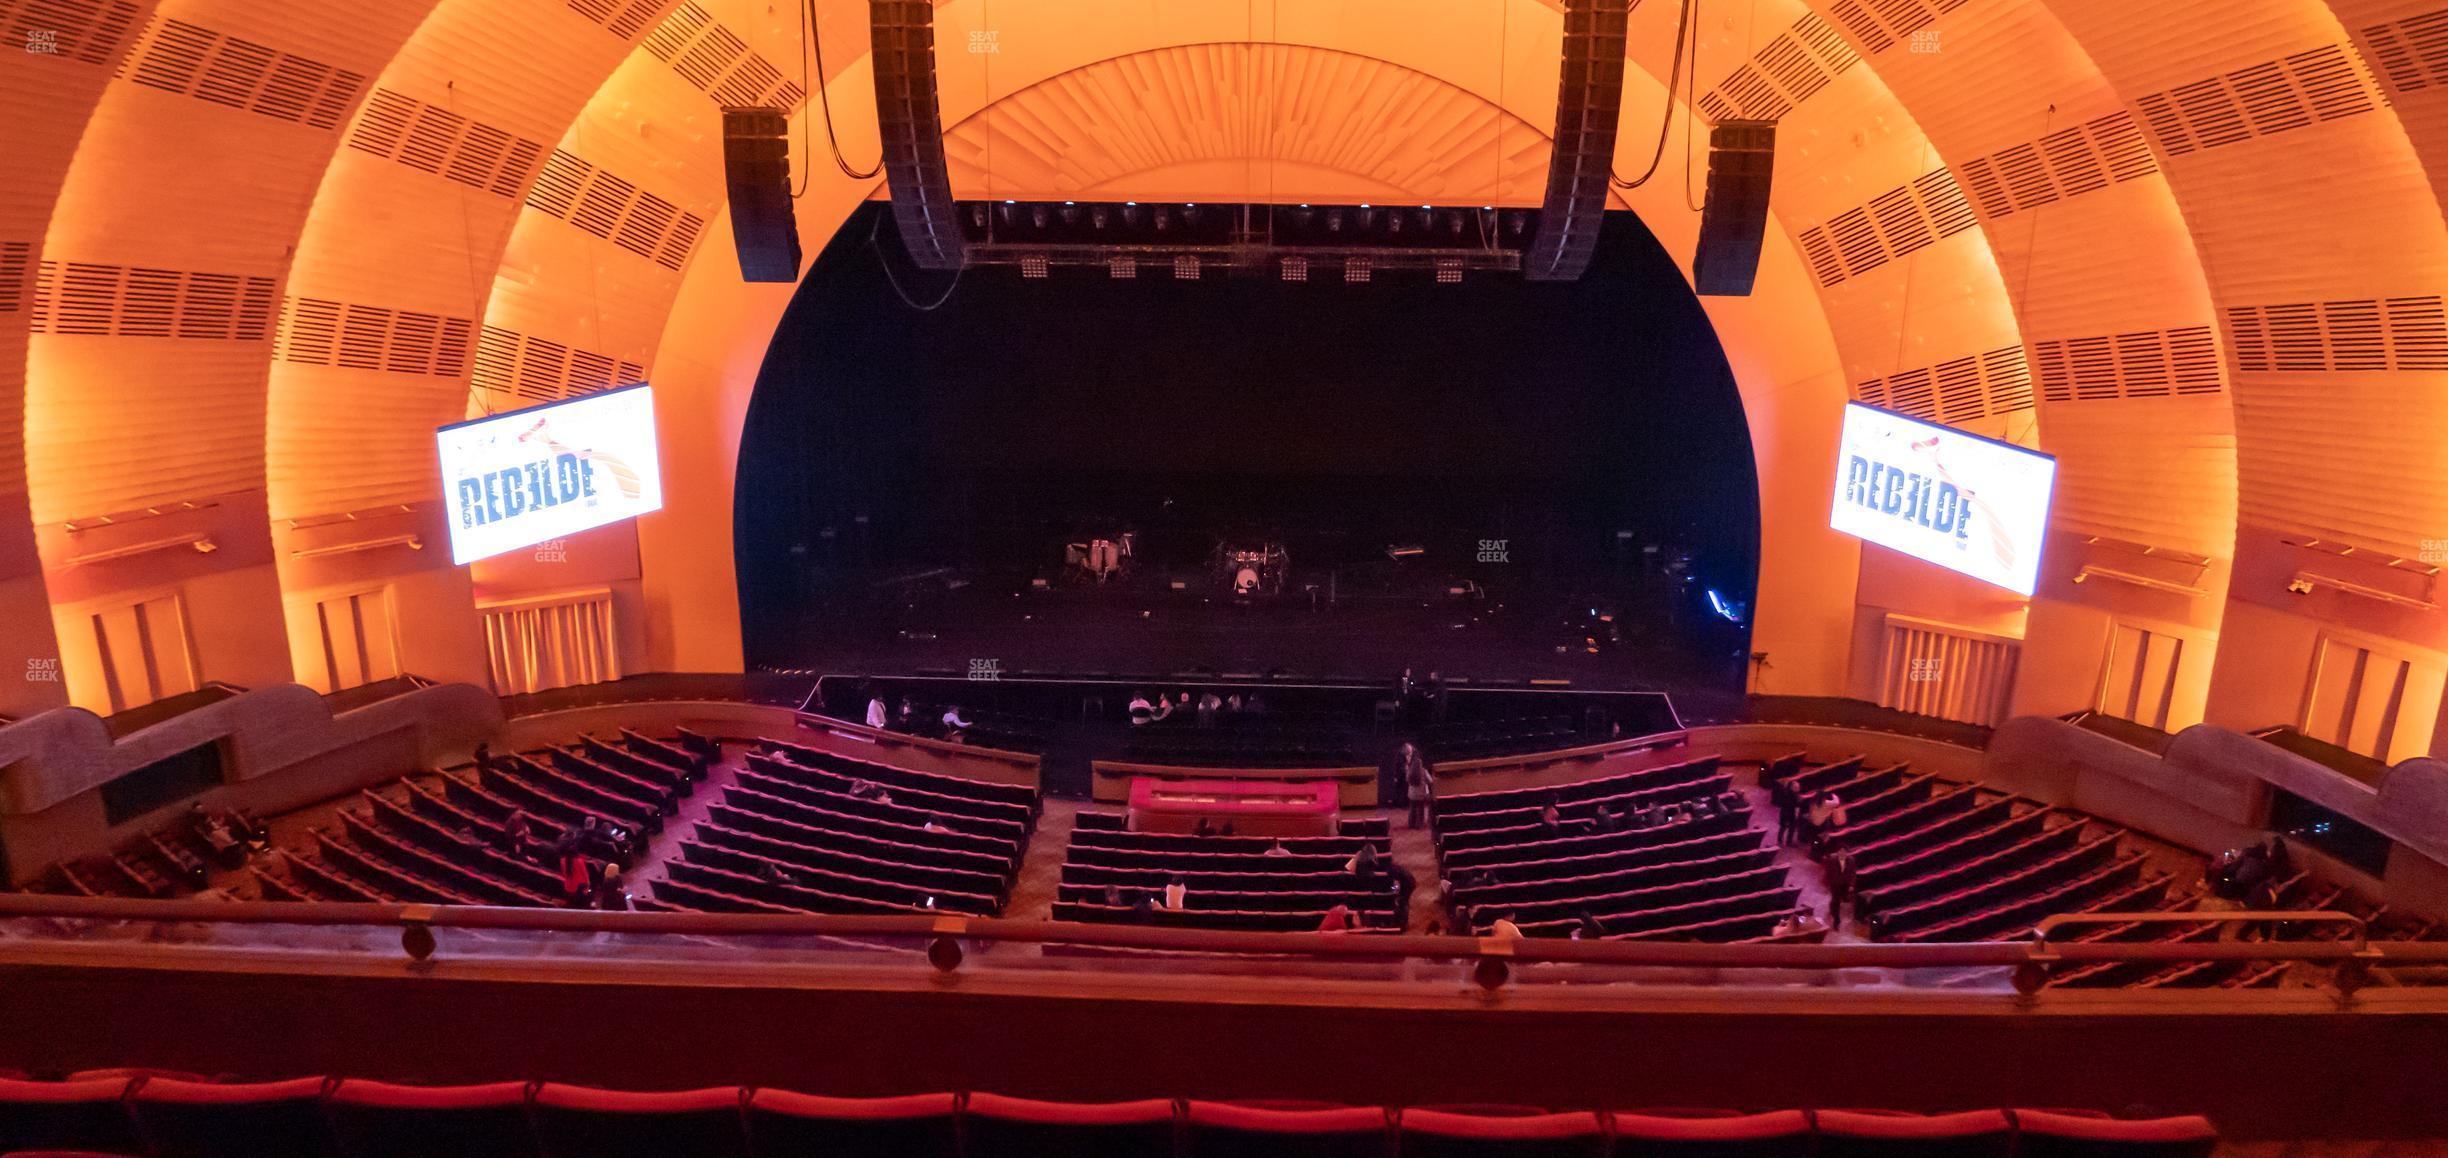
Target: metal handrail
x: 2036, y: 953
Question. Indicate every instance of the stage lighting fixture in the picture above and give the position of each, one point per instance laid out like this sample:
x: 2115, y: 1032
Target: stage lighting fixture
x: 977, y: 214
x: 1334, y: 221
x: 1355, y: 270
x: 1449, y: 271
x: 1123, y: 268
x: 1070, y: 213
x: 1096, y: 217
x: 1037, y: 217
x: 1034, y: 265
x: 1185, y: 267
x: 1164, y: 220
x: 1296, y: 269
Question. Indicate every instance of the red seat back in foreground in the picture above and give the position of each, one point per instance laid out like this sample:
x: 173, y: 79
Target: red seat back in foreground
x: 1441, y: 1134
x: 1001, y: 1127
x: 1971, y: 1134
x: 381, y: 1120
x: 183, y: 1119
x: 1226, y: 1130
x: 578, y: 1122
x: 84, y: 1115
x: 1783, y: 1134
x: 2052, y: 1135
x: 917, y: 1126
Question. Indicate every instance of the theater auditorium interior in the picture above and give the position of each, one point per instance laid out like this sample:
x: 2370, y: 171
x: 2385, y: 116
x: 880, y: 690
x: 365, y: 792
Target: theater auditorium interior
x: 987, y: 578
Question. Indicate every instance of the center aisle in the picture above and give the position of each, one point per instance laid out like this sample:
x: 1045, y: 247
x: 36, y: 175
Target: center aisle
x: 682, y: 824
x: 1032, y: 895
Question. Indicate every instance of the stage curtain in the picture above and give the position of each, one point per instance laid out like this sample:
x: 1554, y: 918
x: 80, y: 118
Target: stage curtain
x: 556, y: 642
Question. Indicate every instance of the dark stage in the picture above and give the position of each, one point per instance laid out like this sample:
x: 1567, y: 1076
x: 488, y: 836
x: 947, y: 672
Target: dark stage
x: 1502, y: 480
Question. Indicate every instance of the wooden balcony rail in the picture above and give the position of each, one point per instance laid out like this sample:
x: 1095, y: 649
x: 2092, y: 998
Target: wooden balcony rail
x: 1493, y: 960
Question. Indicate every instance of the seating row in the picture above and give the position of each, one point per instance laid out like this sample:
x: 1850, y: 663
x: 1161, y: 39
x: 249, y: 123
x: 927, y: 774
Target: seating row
x: 1457, y: 804
x: 894, y: 776
x: 354, y: 1118
x: 1717, y: 789
x: 940, y: 803
x: 1000, y: 832
x: 1762, y: 893
x: 450, y: 842
x: 1497, y: 859
x: 1364, y: 827
x: 773, y: 844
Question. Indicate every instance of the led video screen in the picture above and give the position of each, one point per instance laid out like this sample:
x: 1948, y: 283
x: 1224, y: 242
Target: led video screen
x: 530, y: 476
x: 1958, y: 500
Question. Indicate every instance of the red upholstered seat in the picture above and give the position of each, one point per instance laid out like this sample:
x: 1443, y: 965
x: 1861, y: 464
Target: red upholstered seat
x: 1226, y: 1130
x: 916, y: 1126
x: 183, y: 1119
x: 2046, y: 1134
x: 381, y: 1120
x: 587, y: 1123
x: 1861, y: 1134
x: 84, y: 1115
x: 1446, y: 1134
x: 1002, y: 1127
x: 1684, y: 1134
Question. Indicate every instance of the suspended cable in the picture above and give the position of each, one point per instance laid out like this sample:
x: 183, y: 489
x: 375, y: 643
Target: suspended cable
x: 824, y: 99
x: 885, y: 261
x: 807, y: 142
x: 1691, y: 117
x: 1674, y: 74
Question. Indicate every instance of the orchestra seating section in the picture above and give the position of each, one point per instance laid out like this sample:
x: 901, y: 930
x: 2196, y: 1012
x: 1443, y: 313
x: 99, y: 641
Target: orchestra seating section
x: 1673, y: 851
x: 178, y: 1117
x: 1228, y: 882
x: 173, y: 862
x: 1934, y: 860
x: 1918, y: 857
x: 445, y: 839
x: 1662, y: 853
x: 1482, y: 739
x: 803, y: 830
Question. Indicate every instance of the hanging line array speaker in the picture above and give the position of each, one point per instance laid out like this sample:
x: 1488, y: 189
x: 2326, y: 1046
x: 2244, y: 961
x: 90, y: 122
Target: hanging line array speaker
x: 1589, y: 100
x: 910, y: 120
x: 1742, y: 158
x: 756, y: 165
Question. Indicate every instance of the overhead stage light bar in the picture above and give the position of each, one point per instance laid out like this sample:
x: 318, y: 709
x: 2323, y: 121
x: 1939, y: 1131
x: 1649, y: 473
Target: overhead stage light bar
x: 1288, y: 240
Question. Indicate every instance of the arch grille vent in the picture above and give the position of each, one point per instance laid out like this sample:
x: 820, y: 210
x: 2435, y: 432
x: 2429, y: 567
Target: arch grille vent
x: 85, y: 31
x: 621, y: 20
x: 2143, y: 364
x: 1894, y: 224
x: 2412, y: 53
x: 432, y: 139
x: 1791, y: 69
x: 2067, y: 163
x: 720, y: 64
x: 192, y: 60
x: 92, y: 299
x: 600, y: 203
x: 1959, y: 390
x: 2409, y: 333
x: 2274, y: 96
x: 321, y: 332
x: 14, y: 257
x: 535, y: 369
